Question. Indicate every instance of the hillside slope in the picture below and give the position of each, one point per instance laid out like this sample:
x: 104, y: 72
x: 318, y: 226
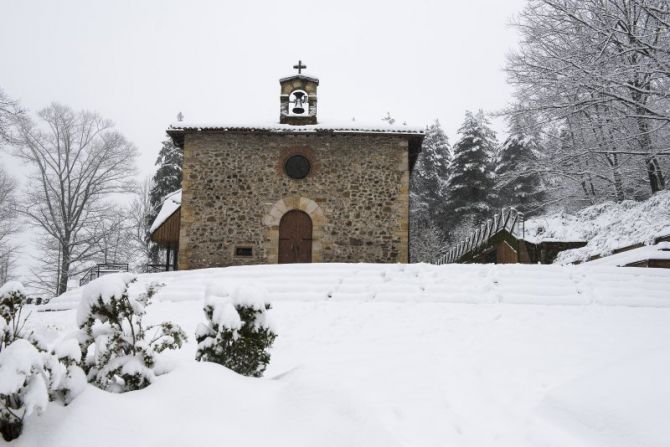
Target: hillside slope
x: 606, y: 226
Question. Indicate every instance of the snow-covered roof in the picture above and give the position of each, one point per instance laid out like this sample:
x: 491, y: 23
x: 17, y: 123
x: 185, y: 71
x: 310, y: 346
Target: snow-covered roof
x: 275, y: 127
x: 306, y: 77
x: 660, y: 251
x: 171, y: 203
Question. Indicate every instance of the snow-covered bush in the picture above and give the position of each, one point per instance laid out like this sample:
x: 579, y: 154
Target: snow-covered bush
x: 31, y: 372
x: 238, y: 332
x: 23, y: 386
x: 61, y: 363
x: 118, y: 353
x: 12, y: 299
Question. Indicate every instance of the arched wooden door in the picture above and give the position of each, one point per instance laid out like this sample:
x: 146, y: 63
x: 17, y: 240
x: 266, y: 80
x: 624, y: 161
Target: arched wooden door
x: 295, y: 238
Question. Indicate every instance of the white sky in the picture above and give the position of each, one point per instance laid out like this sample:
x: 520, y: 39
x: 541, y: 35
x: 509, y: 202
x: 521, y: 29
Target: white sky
x: 141, y: 62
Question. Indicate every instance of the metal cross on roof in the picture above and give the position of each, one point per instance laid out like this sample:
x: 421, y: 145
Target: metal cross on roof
x: 299, y: 67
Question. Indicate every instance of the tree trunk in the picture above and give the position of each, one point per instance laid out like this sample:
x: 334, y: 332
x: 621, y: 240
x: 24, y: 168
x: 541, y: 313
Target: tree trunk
x: 656, y: 179
x: 64, y: 275
x: 618, y: 184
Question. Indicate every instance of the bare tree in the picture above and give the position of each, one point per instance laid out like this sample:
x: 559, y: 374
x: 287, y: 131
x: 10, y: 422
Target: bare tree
x: 114, y: 242
x: 9, y: 112
x: 78, y: 159
x: 7, y: 225
x: 601, y: 69
x: 427, y: 243
x: 139, y: 225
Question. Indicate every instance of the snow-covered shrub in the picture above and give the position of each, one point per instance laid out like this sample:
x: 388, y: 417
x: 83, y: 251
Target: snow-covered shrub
x: 238, y: 332
x: 66, y: 379
x: 118, y: 353
x: 23, y: 386
x: 31, y: 372
x: 12, y: 299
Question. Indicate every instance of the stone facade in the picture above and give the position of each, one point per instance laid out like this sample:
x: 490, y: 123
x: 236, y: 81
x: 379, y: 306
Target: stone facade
x: 235, y: 193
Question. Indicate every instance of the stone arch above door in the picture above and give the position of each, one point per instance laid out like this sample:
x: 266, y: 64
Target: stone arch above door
x: 272, y: 219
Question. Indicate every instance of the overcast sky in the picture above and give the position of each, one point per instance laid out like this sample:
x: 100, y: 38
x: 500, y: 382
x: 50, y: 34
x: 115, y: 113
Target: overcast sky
x: 139, y: 63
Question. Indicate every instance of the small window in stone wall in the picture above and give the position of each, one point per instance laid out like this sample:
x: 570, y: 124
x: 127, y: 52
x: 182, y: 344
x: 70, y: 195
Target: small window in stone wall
x: 244, y: 252
x: 297, y: 167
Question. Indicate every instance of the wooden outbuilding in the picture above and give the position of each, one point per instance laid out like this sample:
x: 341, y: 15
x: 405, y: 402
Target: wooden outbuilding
x: 165, y: 231
x: 506, y: 248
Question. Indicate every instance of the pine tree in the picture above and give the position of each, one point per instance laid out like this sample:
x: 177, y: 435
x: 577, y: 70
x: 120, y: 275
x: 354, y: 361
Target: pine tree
x: 470, y: 187
x: 518, y: 182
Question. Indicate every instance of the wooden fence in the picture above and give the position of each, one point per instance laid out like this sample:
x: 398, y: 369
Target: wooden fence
x: 507, y: 219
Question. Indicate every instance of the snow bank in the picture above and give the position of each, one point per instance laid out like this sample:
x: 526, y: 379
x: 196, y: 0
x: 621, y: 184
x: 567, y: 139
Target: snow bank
x: 624, y: 404
x: 606, y: 227
x: 203, y: 403
x: 390, y: 355
x: 559, y: 226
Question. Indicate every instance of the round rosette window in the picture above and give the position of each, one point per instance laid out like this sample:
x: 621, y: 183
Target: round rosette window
x: 297, y: 167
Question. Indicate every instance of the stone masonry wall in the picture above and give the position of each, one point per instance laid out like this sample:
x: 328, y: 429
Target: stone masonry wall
x: 234, y: 190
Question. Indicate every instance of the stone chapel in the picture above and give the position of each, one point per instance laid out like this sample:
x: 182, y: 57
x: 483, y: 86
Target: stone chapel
x: 296, y: 191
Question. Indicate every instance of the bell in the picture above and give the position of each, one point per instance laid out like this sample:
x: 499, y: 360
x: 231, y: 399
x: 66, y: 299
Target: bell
x: 298, y: 109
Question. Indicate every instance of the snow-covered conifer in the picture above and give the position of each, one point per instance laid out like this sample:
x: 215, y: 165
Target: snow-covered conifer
x: 518, y: 182
x: 238, y: 332
x: 470, y: 185
x: 118, y: 354
x: 428, y: 194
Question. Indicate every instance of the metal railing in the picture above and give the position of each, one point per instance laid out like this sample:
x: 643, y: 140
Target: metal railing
x: 99, y: 270
x: 507, y: 219
x: 157, y: 268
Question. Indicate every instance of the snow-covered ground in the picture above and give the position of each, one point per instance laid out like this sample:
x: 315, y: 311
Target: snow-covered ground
x: 394, y: 355
x: 606, y: 227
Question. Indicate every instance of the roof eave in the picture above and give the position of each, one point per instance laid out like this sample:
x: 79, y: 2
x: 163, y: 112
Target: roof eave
x: 300, y: 76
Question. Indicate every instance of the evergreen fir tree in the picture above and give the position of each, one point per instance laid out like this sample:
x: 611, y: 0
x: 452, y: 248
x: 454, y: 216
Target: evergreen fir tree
x: 518, y: 183
x: 431, y: 172
x: 470, y: 187
x: 167, y: 178
x: 428, y: 187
